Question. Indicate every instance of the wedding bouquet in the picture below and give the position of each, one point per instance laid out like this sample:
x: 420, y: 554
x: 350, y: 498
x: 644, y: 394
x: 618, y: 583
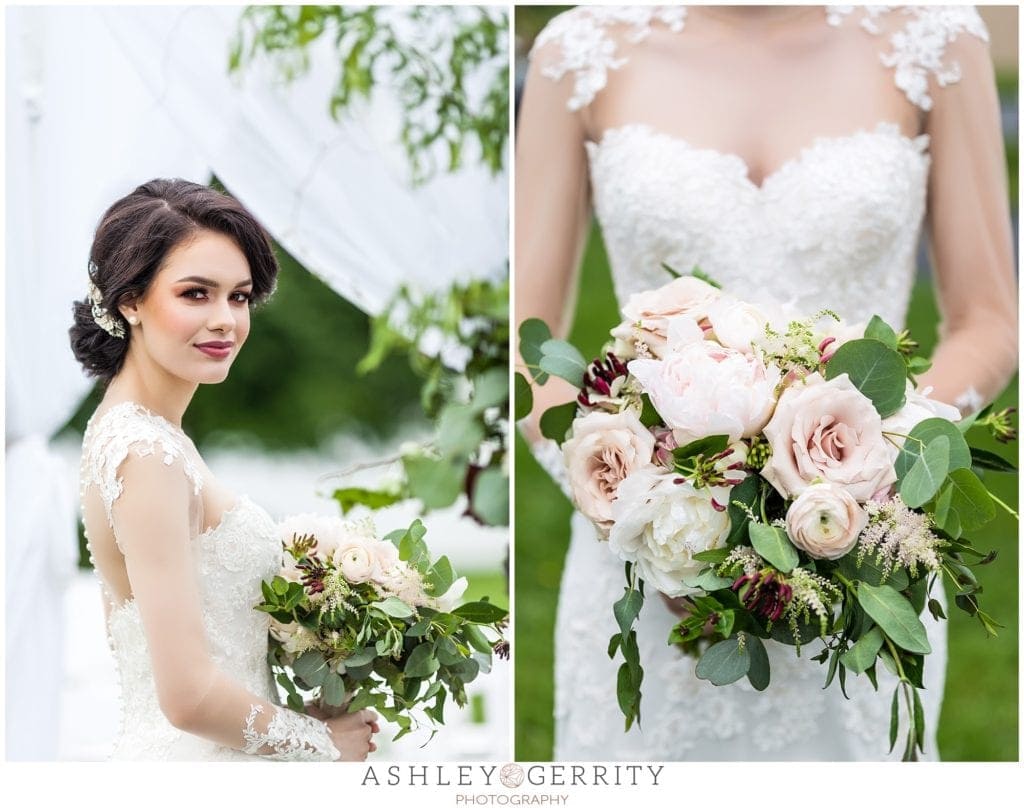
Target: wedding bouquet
x: 368, y: 622
x: 780, y: 474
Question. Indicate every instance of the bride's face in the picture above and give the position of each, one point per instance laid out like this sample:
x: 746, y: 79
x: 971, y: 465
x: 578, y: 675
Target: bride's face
x: 194, y: 317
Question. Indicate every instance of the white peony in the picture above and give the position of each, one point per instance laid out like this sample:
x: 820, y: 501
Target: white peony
x: 736, y: 324
x: 706, y: 389
x: 449, y: 600
x: 647, y: 314
x: 661, y: 525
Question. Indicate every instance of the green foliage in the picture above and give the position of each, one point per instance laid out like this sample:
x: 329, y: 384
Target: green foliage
x: 431, y: 56
x: 561, y: 359
x: 895, y: 616
x: 774, y: 546
x: 457, y: 342
x: 373, y: 649
x: 873, y: 368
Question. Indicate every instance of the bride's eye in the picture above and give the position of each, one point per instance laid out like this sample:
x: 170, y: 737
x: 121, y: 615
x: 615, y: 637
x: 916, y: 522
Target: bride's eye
x: 241, y: 297
x: 195, y: 293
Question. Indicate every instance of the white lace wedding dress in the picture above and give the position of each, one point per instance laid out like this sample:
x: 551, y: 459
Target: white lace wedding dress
x: 837, y: 224
x: 230, y: 561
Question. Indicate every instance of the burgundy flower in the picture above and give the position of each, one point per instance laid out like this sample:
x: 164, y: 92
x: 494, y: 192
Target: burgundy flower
x: 764, y: 592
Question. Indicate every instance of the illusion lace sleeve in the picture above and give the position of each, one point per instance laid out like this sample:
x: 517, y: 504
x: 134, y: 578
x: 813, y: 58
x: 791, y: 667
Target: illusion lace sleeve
x: 917, y: 42
x: 578, y: 43
x: 970, y: 236
x: 552, y: 212
x: 150, y: 486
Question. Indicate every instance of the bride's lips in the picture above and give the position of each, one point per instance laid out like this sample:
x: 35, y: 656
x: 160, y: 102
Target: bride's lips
x: 216, y: 350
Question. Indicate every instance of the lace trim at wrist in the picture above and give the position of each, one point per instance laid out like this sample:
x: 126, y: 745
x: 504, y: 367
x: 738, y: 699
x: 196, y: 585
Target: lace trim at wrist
x: 290, y: 736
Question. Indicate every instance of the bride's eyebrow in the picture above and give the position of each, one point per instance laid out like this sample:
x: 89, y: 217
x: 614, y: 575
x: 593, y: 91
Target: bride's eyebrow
x: 200, y: 281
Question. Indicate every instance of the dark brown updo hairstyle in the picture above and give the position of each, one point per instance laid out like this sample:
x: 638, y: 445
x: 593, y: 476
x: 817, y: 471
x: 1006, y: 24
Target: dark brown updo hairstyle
x: 133, y: 239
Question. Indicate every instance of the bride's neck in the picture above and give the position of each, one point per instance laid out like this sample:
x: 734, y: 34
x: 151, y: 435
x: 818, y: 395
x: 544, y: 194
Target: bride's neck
x: 154, y: 389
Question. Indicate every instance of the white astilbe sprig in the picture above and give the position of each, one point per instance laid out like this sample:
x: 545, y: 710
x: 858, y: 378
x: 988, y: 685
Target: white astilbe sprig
x: 899, y: 537
x: 336, y: 593
x: 811, y: 595
x: 740, y: 557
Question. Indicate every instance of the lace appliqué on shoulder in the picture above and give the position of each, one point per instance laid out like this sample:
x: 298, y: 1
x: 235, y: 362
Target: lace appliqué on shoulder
x: 290, y: 736
x: 123, y: 428
x: 589, y: 52
x: 918, y: 48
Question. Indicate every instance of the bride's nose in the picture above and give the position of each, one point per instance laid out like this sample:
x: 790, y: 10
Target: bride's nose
x: 221, y: 316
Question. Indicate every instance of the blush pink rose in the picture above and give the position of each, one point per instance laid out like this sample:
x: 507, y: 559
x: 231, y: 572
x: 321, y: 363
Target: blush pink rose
x: 647, y: 314
x: 704, y: 389
x: 603, y: 450
x: 827, y: 430
x: 825, y: 521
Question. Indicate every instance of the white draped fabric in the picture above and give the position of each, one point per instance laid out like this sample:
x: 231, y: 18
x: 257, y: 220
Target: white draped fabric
x: 102, y: 99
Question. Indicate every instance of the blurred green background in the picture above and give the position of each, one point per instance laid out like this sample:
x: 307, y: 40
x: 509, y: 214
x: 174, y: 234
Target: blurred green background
x: 980, y: 708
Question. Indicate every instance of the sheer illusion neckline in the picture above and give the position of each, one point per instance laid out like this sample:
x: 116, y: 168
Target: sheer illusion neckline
x: 888, y: 130
x: 141, y: 410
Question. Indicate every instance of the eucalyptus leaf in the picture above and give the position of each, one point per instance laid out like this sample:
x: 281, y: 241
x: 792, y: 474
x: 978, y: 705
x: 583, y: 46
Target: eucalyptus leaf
x: 490, y: 496
x: 724, y: 662
x: 311, y: 667
x: 895, y: 616
x: 710, y: 582
x: 970, y: 500
x: 490, y: 389
x: 774, y: 546
x: 927, y: 474
x: 864, y: 652
x: 627, y: 609
x: 878, y: 329
x: 459, y: 431
x: 760, y: 669
x: 703, y: 446
x: 348, y: 498
x: 393, y: 607
x: 436, y: 483
x: 361, y: 656
x: 924, y: 433
x: 556, y: 421
x: 447, y: 652
x: 561, y: 359
x: 875, y: 369
x: 532, y: 334
x: 333, y: 689
x: 523, y: 396
x: 475, y: 637
x: 421, y: 662
x: 440, y: 576
x: 894, y: 718
x: 746, y: 494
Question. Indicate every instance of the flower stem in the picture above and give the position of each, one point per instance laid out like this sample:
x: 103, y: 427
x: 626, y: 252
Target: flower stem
x: 1004, y: 506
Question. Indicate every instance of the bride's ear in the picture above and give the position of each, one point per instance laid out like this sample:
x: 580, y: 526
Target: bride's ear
x: 129, y: 308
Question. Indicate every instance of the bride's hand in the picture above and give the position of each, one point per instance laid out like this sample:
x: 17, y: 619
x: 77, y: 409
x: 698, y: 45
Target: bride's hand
x: 352, y: 734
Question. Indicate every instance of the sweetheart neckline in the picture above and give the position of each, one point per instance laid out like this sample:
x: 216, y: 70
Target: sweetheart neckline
x: 885, y: 129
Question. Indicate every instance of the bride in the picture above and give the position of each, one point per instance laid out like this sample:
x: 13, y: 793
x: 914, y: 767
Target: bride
x: 174, y: 269
x: 793, y: 153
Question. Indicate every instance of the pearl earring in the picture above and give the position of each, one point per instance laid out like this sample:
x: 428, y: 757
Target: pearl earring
x: 133, y: 320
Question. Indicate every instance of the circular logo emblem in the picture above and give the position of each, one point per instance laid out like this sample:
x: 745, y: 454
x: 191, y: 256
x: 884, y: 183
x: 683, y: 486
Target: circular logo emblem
x: 511, y: 775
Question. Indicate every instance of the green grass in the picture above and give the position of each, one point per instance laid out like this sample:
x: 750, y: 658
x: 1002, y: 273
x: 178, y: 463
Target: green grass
x: 979, y: 717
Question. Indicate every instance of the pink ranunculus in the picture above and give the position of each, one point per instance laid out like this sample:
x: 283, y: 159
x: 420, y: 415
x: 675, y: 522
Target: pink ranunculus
x: 647, y: 314
x: 827, y: 430
x: 603, y: 450
x: 705, y: 389
x: 356, y: 560
x: 825, y: 521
